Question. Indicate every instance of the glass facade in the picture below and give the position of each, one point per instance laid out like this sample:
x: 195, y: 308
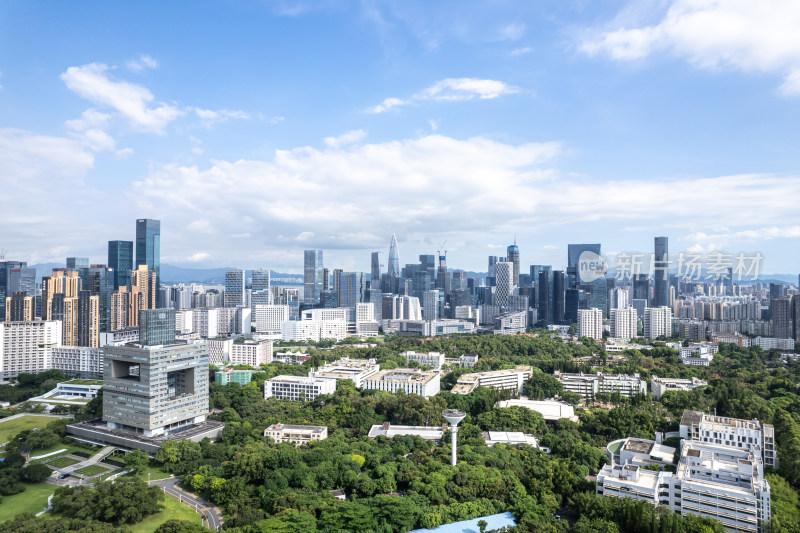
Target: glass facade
x: 120, y: 259
x: 156, y: 327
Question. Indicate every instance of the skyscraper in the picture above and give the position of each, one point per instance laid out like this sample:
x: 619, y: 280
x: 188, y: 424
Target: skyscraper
x: 394, y: 258
x: 234, y: 287
x: 660, y: 266
x: 574, y: 252
x: 312, y: 276
x: 88, y: 319
x: 443, y: 276
x: 98, y: 280
x: 559, y: 295
x: 120, y: 259
x: 148, y: 245
x: 545, y: 299
x: 76, y: 263
x: 492, y: 272
x: 375, y: 273
x: 156, y: 327
x: 504, y: 288
x: 262, y: 294
x: 351, y: 288
x: 641, y: 287
x: 15, y: 276
x: 512, y: 256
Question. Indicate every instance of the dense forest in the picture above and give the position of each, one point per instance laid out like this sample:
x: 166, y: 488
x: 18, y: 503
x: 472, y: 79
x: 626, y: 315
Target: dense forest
x: 405, y: 483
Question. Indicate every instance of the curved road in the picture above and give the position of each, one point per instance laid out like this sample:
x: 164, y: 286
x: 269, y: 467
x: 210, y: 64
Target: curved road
x: 211, y: 515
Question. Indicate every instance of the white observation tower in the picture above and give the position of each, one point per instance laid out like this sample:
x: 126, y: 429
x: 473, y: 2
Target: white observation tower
x: 453, y: 416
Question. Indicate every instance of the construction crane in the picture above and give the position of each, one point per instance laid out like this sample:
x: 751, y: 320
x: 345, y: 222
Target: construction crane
x: 439, y: 251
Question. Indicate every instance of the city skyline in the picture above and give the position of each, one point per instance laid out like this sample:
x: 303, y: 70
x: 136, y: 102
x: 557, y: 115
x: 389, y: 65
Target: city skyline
x: 334, y: 125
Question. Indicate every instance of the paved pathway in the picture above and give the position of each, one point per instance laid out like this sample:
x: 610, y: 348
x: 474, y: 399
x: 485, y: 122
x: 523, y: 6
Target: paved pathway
x: 212, y: 516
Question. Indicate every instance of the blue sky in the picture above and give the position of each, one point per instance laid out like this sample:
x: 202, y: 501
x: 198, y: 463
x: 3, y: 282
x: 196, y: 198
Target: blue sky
x: 254, y: 130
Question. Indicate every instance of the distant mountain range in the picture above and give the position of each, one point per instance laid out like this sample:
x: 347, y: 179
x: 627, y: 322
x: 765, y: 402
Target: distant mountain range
x: 176, y: 274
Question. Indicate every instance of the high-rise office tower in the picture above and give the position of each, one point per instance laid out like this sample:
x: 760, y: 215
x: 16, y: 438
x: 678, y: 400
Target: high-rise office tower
x: 512, y: 256
x: 782, y: 318
x: 660, y: 266
x: 98, y: 280
x: 491, y: 274
x: 262, y: 293
x: 351, y: 288
x: 641, y: 287
x: 776, y: 290
x: 375, y: 272
x: 559, y: 294
x: 431, y: 304
x: 76, y: 263
x: 148, y: 244
x: 597, y: 296
x: 394, y: 258
x: 234, y: 287
x: 15, y: 276
x: 572, y: 300
x: 574, y: 252
x: 156, y: 327
x: 443, y: 276
x: 312, y: 276
x: 120, y: 260
x: 88, y: 319
x: 504, y: 288
x: 545, y: 299
x: 427, y: 264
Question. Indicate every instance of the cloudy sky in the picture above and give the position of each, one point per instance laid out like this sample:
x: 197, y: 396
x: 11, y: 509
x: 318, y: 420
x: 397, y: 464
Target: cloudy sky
x: 257, y: 129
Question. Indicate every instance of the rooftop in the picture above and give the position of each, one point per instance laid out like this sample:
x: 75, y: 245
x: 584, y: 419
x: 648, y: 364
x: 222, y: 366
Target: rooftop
x: 293, y: 427
x: 494, y: 522
x: 405, y: 375
x: 426, y: 432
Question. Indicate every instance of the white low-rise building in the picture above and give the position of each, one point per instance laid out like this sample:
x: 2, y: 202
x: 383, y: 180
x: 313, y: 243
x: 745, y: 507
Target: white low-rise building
x: 551, y: 410
x: 641, y: 452
x: 297, y: 435
x: 509, y: 438
x: 658, y: 386
x: 434, y: 360
x: 219, y: 349
x: 511, y: 379
x: 251, y: 352
x: 411, y: 380
x: 298, y: 388
x: 432, y: 433
x: 356, y: 370
x: 313, y: 330
x: 698, y: 354
x: 771, y: 343
x: 589, y: 385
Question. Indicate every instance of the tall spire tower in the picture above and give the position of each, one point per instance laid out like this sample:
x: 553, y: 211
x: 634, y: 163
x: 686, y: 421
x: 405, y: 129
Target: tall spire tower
x: 394, y: 258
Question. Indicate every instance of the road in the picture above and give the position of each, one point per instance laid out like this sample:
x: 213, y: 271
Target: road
x: 212, y: 516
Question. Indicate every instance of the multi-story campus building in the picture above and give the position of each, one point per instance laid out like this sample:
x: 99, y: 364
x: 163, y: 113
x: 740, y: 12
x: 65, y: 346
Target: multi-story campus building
x: 434, y: 360
x: 28, y: 346
x: 511, y: 379
x: 298, y: 388
x: 658, y: 386
x: 749, y: 435
x: 411, y: 380
x: 251, y: 352
x: 714, y: 481
x: 589, y: 385
x: 356, y: 370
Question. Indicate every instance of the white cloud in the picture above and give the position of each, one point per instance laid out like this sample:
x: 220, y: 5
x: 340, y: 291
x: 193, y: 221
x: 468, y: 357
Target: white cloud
x: 124, y: 153
x: 304, y: 236
x: 465, y: 89
x: 452, y: 89
x: 521, y: 51
x: 133, y: 102
x: 143, y: 62
x: 743, y: 35
x: 386, y: 105
x: 199, y: 256
x: 512, y: 32
x: 434, y: 124
x: 90, y: 119
x: 211, y: 116
x: 549, y: 247
x: 346, y: 138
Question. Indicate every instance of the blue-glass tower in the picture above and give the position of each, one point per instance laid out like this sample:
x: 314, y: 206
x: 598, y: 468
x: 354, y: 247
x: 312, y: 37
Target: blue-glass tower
x: 120, y: 259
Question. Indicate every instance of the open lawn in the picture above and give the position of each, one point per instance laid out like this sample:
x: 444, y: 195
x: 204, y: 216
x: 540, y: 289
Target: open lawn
x: 33, y: 500
x: 155, y: 474
x: 61, y: 462
x: 92, y: 470
x: 9, y: 428
x: 172, y: 510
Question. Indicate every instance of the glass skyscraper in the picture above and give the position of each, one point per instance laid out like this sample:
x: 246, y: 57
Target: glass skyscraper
x: 120, y: 259
x: 394, y: 258
x: 661, y: 296
x: 148, y: 245
x: 156, y: 327
x: 312, y: 276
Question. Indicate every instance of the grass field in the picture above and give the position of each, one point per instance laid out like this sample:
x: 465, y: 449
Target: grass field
x: 92, y: 470
x: 33, y: 500
x: 172, y: 510
x: 61, y: 462
x: 155, y: 474
x: 9, y: 428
